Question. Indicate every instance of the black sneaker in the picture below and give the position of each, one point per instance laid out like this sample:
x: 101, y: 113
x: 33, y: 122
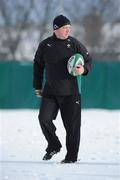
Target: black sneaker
x: 49, y: 155
x: 64, y: 161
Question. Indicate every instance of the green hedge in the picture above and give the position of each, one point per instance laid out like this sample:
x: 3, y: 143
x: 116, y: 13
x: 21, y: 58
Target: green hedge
x: 100, y: 89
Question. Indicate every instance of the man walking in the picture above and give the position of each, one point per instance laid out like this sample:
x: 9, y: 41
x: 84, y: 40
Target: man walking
x: 60, y: 91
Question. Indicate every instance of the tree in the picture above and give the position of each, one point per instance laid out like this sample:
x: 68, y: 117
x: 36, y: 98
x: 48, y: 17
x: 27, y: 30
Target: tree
x: 18, y: 16
x: 93, y: 24
x: 20, y: 22
x: 92, y: 16
x: 43, y: 13
x: 15, y: 18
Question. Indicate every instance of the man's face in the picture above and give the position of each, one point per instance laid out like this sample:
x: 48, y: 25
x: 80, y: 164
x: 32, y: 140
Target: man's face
x: 63, y: 32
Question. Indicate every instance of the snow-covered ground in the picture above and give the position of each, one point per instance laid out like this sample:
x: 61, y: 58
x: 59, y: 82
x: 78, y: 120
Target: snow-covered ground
x: 22, y: 146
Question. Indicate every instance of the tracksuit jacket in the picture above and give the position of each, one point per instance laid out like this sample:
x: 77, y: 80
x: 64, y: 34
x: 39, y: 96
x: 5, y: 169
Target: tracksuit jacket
x: 52, y: 56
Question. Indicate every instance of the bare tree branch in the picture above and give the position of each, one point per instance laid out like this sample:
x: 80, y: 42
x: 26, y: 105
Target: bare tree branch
x: 16, y: 18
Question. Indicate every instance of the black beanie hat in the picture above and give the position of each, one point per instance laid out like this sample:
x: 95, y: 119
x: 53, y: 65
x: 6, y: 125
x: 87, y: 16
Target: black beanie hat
x: 60, y: 21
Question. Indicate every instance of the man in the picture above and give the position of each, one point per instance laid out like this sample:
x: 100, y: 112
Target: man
x: 60, y: 91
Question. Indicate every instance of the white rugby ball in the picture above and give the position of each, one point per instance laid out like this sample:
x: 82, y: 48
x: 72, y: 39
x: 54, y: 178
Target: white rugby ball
x: 74, y: 61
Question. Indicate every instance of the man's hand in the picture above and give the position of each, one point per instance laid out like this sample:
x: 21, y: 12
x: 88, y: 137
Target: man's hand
x: 38, y: 92
x: 79, y: 70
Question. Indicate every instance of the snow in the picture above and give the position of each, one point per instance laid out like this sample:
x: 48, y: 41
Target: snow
x: 22, y: 146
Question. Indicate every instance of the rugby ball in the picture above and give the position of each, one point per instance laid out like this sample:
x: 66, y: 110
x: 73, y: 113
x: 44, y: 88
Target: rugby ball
x: 74, y: 61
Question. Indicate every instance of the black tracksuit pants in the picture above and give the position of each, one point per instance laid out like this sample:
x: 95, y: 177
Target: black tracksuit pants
x: 70, y: 109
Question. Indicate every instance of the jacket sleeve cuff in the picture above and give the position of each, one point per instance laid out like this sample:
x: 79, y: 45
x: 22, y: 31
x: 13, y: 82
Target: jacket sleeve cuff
x: 85, y: 71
